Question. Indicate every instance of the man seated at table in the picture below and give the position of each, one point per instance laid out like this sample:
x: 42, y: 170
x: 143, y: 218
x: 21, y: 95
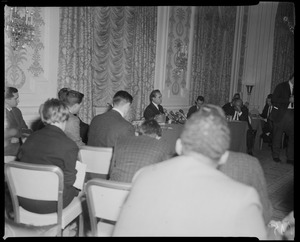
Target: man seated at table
x: 267, y: 128
x: 228, y: 106
x: 106, y: 128
x: 241, y: 113
x: 154, y: 108
x: 14, y: 121
x: 199, y: 102
x: 187, y: 195
x: 134, y: 152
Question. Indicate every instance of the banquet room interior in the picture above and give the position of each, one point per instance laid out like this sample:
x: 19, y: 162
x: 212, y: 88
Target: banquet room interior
x: 184, y: 51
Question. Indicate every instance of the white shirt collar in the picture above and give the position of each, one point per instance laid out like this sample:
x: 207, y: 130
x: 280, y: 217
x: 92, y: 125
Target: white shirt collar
x: 119, y: 111
x: 8, y: 108
x: 291, y: 85
x: 155, y: 105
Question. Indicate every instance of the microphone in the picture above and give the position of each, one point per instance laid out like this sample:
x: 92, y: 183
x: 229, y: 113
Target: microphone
x: 182, y: 114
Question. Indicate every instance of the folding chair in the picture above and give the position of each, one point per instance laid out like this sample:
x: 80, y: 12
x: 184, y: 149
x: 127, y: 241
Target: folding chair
x: 97, y: 159
x: 105, y: 199
x: 41, y: 182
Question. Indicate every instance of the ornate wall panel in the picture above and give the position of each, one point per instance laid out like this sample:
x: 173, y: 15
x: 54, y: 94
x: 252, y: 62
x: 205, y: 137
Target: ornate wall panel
x: 33, y: 70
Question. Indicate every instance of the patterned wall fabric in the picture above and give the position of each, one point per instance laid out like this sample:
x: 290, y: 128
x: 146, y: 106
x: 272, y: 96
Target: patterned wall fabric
x: 124, y: 55
x: 107, y: 49
x: 283, y: 58
x: 178, y: 45
x: 22, y: 64
x: 143, y: 50
x: 75, y: 54
x: 243, y: 48
x: 212, y: 53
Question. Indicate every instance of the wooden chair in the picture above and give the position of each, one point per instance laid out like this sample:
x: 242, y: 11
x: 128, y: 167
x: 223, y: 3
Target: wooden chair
x: 105, y: 199
x: 41, y: 182
x: 97, y: 159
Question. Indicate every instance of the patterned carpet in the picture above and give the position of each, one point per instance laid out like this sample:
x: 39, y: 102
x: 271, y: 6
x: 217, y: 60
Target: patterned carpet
x: 280, y: 182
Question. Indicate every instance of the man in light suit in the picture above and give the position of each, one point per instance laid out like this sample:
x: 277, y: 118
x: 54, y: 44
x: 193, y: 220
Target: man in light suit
x: 282, y: 116
x: 105, y: 129
x: 187, y: 195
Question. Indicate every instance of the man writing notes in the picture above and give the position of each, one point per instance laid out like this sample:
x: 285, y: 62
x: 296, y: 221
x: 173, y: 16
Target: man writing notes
x: 105, y: 129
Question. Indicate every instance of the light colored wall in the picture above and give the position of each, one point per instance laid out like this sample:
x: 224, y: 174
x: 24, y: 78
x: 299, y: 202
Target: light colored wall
x: 38, y: 84
x: 257, y: 66
x: 259, y: 52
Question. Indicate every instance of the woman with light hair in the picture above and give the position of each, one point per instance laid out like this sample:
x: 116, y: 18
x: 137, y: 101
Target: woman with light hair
x: 51, y: 146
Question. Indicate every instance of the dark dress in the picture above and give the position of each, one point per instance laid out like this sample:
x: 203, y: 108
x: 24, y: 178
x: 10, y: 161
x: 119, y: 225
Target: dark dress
x: 51, y: 146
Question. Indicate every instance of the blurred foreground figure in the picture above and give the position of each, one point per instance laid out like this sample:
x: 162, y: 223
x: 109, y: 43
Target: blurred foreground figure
x: 187, y: 195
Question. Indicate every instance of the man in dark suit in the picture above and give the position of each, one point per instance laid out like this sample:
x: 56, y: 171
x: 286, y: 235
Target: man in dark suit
x: 105, y: 129
x: 154, y: 109
x: 14, y: 121
x: 199, y: 102
x: 134, y: 152
x: 282, y: 116
x: 267, y: 128
x: 227, y: 107
x: 241, y: 113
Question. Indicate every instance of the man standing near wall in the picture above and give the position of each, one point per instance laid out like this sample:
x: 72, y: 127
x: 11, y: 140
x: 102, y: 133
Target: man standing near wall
x: 282, y: 116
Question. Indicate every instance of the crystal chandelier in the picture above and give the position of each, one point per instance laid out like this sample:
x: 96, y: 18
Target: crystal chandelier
x: 19, y: 27
x: 290, y: 25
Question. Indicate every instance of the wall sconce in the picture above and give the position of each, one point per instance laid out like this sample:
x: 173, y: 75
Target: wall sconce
x: 181, y: 56
x: 19, y: 27
x: 249, y: 90
x: 290, y: 25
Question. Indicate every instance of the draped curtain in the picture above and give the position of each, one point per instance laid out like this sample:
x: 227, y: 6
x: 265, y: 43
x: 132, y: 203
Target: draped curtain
x: 75, y: 54
x: 143, y: 58
x: 124, y: 54
x: 212, y: 53
x: 283, y: 58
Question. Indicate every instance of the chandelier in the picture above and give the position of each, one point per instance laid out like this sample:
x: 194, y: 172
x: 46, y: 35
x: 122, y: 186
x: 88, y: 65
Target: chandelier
x: 290, y: 25
x: 19, y: 27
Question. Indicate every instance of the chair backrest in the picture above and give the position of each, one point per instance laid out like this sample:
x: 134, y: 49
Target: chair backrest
x: 97, y: 159
x: 34, y: 181
x: 105, y: 199
x: 9, y: 158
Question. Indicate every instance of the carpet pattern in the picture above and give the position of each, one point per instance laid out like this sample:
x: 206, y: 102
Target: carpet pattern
x: 280, y: 182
